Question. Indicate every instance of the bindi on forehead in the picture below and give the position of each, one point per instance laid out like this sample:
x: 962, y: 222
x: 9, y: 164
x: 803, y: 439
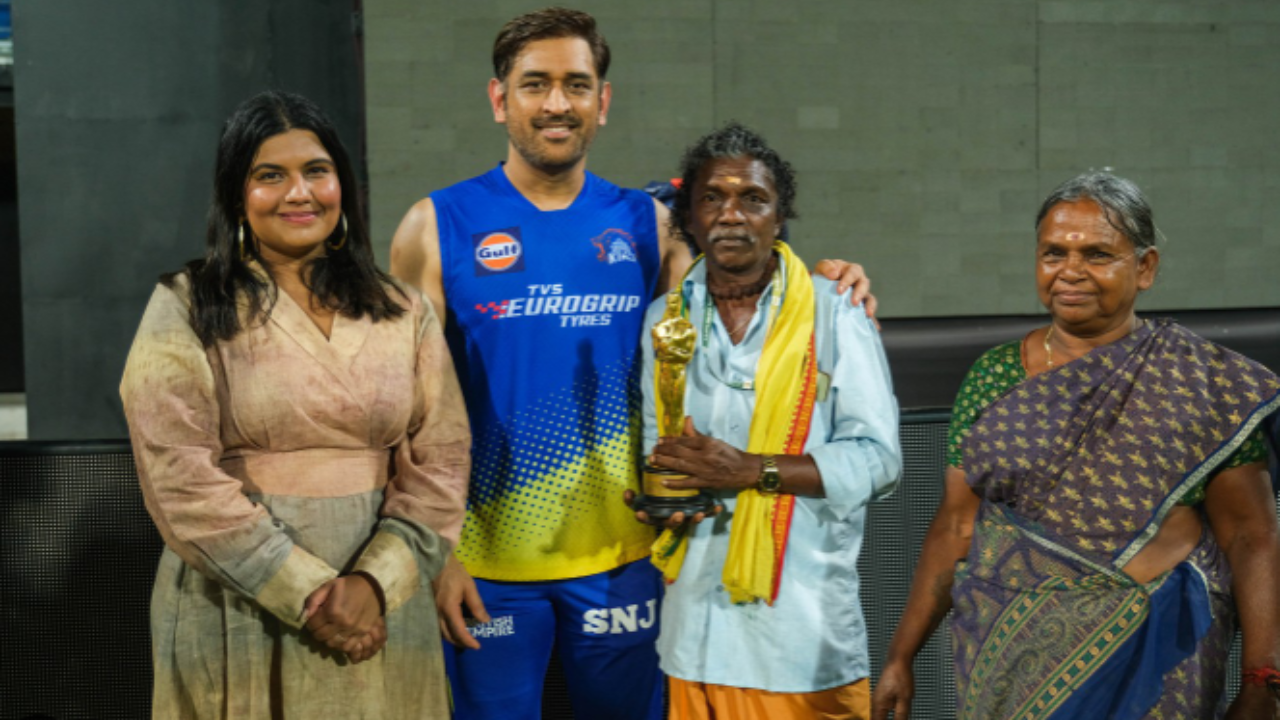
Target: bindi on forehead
x: 1075, y: 236
x: 735, y: 175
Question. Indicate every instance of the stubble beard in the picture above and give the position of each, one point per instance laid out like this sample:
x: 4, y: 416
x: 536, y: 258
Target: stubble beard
x: 530, y: 147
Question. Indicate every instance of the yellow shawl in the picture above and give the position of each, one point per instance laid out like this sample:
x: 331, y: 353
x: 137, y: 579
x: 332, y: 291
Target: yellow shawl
x: 786, y: 386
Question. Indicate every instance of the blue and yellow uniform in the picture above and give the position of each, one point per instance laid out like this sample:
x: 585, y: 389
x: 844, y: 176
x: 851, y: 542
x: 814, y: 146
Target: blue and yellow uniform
x: 545, y: 312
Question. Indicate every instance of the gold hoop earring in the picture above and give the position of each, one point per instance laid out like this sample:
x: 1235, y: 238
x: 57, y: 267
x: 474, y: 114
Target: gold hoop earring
x: 342, y: 240
x: 244, y: 257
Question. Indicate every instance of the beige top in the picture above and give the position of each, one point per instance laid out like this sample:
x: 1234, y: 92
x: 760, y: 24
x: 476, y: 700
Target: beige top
x: 281, y: 411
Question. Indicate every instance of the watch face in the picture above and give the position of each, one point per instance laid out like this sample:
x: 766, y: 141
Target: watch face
x: 770, y: 480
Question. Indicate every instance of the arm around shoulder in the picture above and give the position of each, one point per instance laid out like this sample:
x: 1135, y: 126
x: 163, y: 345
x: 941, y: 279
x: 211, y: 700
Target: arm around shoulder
x: 673, y: 250
x: 415, y: 253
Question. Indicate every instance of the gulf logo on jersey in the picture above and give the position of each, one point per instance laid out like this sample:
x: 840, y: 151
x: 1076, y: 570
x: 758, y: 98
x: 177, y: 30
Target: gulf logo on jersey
x: 498, y: 251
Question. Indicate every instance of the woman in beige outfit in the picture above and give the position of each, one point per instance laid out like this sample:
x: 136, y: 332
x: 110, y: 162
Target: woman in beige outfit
x: 302, y: 446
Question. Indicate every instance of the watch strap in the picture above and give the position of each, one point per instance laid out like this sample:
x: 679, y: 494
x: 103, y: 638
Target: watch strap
x: 770, y: 480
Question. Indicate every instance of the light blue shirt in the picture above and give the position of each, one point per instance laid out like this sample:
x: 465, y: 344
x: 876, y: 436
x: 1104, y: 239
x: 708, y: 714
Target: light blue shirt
x: 814, y: 636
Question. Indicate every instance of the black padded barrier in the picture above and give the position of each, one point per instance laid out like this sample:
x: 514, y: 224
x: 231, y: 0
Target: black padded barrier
x: 894, y: 534
x: 78, y: 555
x: 929, y: 357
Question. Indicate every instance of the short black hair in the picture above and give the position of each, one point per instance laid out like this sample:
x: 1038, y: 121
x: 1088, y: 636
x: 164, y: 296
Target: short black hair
x: 546, y: 24
x: 1123, y: 204
x: 734, y: 140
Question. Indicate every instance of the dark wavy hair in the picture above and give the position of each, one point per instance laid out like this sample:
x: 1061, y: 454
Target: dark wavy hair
x: 347, y: 281
x: 547, y: 24
x: 731, y: 141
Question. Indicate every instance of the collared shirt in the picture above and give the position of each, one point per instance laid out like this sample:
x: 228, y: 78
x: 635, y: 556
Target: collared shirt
x: 814, y: 636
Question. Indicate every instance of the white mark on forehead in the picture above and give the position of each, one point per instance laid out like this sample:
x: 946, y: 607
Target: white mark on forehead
x: 733, y: 179
x: 1075, y: 236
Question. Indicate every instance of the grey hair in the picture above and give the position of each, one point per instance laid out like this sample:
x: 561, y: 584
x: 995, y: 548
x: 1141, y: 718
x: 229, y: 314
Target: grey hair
x: 1123, y: 204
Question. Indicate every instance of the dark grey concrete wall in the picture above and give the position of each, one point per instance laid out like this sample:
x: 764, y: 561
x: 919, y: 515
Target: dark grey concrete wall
x: 119, y: 106
x: 925, y: 132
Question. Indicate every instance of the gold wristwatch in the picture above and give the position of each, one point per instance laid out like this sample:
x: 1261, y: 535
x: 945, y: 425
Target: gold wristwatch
x: 770, y: 480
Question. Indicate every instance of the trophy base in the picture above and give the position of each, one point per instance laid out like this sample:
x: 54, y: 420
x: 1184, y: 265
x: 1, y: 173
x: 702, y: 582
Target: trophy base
x: 660, y: 503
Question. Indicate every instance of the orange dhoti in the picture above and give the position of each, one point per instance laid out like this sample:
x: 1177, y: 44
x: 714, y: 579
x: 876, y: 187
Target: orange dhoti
x: 701, y: 701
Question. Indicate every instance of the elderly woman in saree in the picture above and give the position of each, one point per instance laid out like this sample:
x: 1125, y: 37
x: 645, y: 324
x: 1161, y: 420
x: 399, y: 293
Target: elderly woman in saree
x: 1108, y: 520
x: 302, y: 447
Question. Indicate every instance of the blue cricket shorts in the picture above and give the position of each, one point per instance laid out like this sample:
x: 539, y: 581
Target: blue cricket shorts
x: 603, y: 628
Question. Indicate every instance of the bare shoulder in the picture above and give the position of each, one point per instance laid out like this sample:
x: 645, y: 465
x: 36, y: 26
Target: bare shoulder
x: 415, y: 253
x: 662, y: 212
x: 668, y: 239
x: 415, y: 239
x: 673, y: 251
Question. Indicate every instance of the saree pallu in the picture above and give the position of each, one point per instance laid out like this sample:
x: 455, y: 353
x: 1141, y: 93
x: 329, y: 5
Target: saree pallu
x: 1077, y: 468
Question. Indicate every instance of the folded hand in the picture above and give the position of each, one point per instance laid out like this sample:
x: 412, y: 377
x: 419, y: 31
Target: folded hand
x: 346, y: 614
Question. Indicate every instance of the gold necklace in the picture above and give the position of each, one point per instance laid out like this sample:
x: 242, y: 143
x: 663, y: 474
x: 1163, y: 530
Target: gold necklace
x: 1048, y: 351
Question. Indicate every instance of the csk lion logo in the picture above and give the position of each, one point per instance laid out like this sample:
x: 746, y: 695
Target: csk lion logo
x: 614, y: 246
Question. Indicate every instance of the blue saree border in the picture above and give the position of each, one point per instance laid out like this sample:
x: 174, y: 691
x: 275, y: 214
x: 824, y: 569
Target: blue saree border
x: 1131, y: 681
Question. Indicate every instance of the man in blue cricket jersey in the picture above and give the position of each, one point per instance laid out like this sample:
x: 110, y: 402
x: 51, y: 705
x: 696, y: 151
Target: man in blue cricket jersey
x: 542, y: 271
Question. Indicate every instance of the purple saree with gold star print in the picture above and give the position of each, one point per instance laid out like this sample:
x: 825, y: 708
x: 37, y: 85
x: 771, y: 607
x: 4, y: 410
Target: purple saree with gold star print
x: 1077, y: 468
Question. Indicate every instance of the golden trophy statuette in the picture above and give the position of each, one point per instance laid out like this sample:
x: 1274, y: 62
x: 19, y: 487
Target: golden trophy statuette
x: 674, y: 339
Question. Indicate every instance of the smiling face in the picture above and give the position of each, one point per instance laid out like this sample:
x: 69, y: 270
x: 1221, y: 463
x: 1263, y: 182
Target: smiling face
x: 1088, y: 273
x: 292, y: 197
x: 734, y: 216
x: 552, y: 103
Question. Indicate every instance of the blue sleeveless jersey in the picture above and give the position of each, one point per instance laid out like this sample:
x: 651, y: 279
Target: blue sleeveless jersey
x: 545, y: 311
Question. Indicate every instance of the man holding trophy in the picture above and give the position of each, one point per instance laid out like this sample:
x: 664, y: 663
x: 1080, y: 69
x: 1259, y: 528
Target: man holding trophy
x: 774, y: 405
